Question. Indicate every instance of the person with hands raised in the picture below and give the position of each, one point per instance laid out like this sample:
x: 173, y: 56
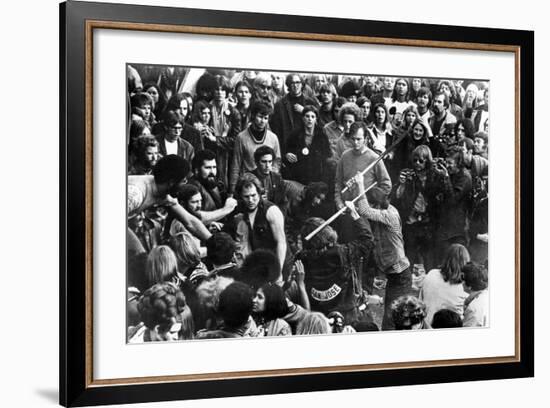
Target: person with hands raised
x: 389, y: 250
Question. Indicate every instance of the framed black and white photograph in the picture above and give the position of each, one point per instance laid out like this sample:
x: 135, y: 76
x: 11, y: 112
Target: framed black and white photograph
x: 258, y: 204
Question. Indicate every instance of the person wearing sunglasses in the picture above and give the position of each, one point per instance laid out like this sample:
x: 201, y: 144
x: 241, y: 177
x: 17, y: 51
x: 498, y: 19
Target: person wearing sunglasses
x: 287, y: 113
x: 170, y: 137
x: 417, y: 196
x: 263, y: 89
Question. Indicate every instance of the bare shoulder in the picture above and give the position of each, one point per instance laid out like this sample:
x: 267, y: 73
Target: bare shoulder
x: 273, y: 213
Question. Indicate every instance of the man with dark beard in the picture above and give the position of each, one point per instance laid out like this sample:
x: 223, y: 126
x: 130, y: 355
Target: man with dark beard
x: 442, y: 116
x: 260, y: 225
x: 205, y: 178
x: 159, y: 190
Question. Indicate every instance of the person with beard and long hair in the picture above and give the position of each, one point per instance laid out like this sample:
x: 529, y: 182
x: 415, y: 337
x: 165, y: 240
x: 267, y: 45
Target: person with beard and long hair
x: 449, y: 89
x: 417, y: 197
x: 205, y: 178
x: 441, y: 116
x: 190, y: 197
x: 261, y: 224
x: 146, y: 155
x: 145, y: 192
x: 454, y: 223
x: 246, y: 143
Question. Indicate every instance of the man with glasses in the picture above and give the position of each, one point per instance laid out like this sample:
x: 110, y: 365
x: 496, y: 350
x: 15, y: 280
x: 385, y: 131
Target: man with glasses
x: 263, y: 85
x: 287, y: 113
x: 170, y: 140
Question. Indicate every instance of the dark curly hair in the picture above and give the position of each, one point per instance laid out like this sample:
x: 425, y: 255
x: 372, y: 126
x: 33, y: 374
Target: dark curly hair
x: 160, y: 304
x: 235, y: 304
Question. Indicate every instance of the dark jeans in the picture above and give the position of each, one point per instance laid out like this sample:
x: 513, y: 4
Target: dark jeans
x: 398, y: 284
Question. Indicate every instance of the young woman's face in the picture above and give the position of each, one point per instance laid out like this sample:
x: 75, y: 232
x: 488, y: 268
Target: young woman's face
x: 189, y: 103
x: 154, y: 93
x: 418, y: 131
x: 243, y: 95
x: 220, y: 94
x: 410, y: 117
x: 366, y: 109
x: 258, y: 303
x: 205, y: 116
x: 401, y: 87
x: 460, y: 132
x: 146, y: 110
x: 278, y: 81
x: 184, y: 108
x: 309, y: 120
x: 380, y: 115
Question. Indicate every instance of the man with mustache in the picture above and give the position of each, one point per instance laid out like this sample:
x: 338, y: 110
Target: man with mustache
x: 441, y: 116
x: 205, y: 178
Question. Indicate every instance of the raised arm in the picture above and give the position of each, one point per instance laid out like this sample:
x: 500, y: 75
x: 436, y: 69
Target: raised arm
x: 192, y: 223
x: 277, y: 223
x: 209, y: 216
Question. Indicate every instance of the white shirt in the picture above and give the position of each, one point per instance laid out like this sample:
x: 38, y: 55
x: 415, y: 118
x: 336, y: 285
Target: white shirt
x: 171, y: 147
x: 438, y: 294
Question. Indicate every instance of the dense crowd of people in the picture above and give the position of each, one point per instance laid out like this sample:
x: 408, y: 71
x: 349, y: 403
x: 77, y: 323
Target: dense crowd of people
x: 233, y: 174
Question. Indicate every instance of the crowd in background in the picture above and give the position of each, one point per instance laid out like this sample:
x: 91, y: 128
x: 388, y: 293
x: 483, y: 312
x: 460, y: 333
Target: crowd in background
x: 232, y: 175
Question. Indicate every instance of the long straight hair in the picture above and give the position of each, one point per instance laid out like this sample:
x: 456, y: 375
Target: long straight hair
x: 455, y: 258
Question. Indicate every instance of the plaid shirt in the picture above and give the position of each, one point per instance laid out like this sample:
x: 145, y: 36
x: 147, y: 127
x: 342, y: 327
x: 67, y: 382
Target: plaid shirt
x: 391, y: 221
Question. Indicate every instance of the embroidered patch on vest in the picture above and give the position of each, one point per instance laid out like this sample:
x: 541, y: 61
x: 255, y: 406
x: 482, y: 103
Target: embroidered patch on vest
x: 326, y: 295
